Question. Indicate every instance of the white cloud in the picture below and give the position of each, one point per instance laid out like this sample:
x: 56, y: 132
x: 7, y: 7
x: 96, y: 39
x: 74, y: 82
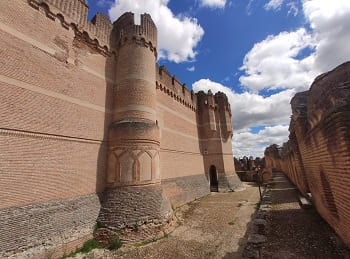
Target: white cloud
x: 273, y: 4
x: 330, y: 22
x: 291, y: 60
x: 249, y: 144
x: 191, y: 69
x: 273, y: 63
x: 178, y: 36
x: 276, y: 62
x: 213, y: 3
x: 293, y: 9
x: 251, y: 110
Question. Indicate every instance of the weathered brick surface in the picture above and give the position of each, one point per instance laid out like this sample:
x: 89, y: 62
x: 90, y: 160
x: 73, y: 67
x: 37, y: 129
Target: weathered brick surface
x: 51, y: 223
x: 181, y: 190
x: 317, y: 155
x: 68, y: 88
x: 127, y: 206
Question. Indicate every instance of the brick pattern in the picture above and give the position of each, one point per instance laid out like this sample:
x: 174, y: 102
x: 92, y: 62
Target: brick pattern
x: 181, y: 190
x: 51, y: 223
x: 317, y: 155
x: 61, y: 98
x: 126, y: 206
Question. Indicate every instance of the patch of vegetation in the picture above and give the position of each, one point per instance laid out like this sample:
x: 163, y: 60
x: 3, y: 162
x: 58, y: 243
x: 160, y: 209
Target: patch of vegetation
x: 232, y: 222
x: 96, y: 226
x: 87, y: 247
x: 114, y: 244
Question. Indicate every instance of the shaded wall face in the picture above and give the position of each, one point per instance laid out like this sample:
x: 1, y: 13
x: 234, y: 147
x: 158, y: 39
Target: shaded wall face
x: 325, y: 151
x: 54, y: 108
x: 321, y: 146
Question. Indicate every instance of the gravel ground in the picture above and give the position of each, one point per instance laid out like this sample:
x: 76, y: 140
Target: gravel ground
x: 294, y: 232
x: 212, y: 227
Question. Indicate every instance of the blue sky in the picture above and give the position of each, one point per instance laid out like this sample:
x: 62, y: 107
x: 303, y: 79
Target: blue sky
x: 259, y: 52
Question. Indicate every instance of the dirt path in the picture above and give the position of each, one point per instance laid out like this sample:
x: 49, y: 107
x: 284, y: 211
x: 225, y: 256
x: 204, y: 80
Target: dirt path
x: 294, y: 232
x: 212, y: 227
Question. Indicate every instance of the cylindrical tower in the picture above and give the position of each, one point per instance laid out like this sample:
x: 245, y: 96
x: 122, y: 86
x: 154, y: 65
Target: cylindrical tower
x: 134, y: 194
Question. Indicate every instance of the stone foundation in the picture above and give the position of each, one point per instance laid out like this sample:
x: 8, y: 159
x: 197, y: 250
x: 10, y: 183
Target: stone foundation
x: 185, y: 189
x: 52, y: 226
x: 230, y: 182
x: 126, y: 207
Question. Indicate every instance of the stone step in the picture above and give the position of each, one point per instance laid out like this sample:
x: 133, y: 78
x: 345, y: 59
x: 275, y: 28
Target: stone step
x: 304, y: 202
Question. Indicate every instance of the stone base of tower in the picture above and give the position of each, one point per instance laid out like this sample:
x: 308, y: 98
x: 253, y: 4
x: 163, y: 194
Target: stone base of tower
x: 229, y: 182
x: 135, y: 208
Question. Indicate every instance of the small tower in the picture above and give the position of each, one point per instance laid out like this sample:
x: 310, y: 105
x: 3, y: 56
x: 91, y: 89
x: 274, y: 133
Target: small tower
x: 215, y: 127
x: 134, y: 194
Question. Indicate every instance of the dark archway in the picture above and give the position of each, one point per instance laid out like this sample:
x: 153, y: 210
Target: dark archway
x: 213, y: 179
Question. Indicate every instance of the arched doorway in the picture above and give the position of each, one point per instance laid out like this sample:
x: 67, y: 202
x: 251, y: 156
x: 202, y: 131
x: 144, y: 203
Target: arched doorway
x: 213, y: 179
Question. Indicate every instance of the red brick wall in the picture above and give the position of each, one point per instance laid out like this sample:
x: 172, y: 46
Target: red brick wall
x: 53, y: 98
x: 317, y: 156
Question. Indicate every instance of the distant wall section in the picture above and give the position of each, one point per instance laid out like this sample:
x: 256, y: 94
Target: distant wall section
x: 181, y: 160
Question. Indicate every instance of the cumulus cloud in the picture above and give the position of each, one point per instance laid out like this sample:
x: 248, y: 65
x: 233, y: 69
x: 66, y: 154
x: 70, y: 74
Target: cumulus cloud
x: 273, y: 63
x: 213, y: 3
x: 330, y: 22
x: 247, y: 143
x: 178, y: 36
x: 273, y: 4
x: 279, y: 61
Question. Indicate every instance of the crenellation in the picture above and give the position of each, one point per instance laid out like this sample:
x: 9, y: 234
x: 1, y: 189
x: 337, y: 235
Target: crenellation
x: 73, y: 14
x: 172, y: 86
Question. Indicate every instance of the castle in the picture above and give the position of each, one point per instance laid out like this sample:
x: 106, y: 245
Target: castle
x: 92, y: 130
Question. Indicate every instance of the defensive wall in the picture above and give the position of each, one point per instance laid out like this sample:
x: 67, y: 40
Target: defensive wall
x: 317, y: 155
x: 92, y: 130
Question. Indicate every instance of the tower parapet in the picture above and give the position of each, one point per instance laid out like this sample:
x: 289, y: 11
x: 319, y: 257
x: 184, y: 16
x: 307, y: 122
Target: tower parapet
x: 126, y: 30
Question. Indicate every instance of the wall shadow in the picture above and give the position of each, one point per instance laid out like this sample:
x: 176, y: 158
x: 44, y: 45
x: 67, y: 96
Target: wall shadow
x: 102, y: 159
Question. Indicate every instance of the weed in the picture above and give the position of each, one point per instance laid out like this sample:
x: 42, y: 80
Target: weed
x: 232, y: 222
x: 87, y: 247
x: 114, y: 243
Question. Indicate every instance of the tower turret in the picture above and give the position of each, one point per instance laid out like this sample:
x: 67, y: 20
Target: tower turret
x: 134, y: 194
x: 215, y: 129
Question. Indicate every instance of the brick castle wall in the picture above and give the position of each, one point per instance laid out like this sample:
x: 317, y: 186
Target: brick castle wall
x: 54, y: 108
x: 317, y: 156
x: 57, y: 87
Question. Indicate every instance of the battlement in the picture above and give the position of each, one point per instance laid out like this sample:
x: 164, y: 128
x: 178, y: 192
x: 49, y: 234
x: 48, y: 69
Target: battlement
x: 172, y: 86
x: 125, y: 28
x: 73, y: 14
x: 218, y: 100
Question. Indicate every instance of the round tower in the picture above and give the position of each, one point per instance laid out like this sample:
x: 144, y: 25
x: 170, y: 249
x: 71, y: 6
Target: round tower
x: 134, y: 194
